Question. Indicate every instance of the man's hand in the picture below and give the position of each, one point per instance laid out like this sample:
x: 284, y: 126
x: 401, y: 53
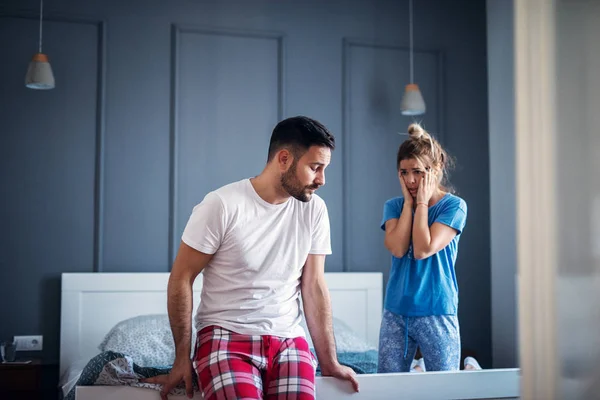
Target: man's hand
x: 342, y: 372
x: 181, y: 371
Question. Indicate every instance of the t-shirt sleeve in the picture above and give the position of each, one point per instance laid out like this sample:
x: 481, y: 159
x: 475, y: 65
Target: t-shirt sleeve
x: 454, y: 215
x: 206, y: 226
x: 321, y: 237
x: 391, y: 210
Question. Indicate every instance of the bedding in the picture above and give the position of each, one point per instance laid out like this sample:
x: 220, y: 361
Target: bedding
x: 362, y: 362
x: 352, y: 350
x: 147, y: 339
x: 346, y: 340
x: 142, y: 347
x: 68, y: 380
x: 116, y: 369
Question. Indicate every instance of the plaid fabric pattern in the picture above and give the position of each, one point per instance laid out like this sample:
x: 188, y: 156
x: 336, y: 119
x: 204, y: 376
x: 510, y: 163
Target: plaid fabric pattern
x: 230, y: 366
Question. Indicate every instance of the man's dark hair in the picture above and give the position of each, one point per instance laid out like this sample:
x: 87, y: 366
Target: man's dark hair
x: 298, y: 134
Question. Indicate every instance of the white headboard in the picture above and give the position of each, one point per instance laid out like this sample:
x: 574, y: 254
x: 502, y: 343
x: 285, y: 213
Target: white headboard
x: 92, y: 303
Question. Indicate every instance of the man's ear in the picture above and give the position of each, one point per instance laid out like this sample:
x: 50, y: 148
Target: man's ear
x: 284, y: 159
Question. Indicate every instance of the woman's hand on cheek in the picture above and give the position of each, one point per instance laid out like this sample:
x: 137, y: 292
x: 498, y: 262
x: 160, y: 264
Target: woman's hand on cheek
x: 408, y: 200
x: 427, y: 187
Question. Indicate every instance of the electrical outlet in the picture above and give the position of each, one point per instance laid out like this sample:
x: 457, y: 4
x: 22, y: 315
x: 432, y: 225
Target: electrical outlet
x: 29, y: 343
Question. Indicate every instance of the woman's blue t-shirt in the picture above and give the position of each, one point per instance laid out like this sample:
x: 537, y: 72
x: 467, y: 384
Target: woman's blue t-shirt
x: 429, y: 286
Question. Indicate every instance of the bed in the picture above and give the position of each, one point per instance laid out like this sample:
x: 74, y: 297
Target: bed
x: 96, y: 305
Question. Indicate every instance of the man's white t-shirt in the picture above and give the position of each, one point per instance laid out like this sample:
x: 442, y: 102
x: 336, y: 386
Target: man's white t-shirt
x: 252, y: 284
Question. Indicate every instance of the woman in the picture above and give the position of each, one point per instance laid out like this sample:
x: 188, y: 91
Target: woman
x: 422, y: 231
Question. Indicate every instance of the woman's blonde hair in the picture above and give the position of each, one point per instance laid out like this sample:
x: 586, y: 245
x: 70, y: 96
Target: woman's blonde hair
x: 423, y: 147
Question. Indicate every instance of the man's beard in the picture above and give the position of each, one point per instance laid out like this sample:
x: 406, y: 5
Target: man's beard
x: 291, y: 184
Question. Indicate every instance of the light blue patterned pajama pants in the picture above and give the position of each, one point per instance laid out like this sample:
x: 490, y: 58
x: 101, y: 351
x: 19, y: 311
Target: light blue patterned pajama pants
x: 438, y: 337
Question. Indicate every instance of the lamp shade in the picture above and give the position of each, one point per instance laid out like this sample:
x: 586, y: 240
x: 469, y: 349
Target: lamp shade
x: 39, y: 74
x: 412, y: 101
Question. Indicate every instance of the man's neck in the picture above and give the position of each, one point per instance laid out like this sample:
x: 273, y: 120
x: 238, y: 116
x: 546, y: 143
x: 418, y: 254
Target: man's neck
x: 269, y: 189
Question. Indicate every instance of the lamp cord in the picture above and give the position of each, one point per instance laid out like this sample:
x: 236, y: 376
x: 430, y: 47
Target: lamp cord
x: 41, y: 13
x: 410, y: 24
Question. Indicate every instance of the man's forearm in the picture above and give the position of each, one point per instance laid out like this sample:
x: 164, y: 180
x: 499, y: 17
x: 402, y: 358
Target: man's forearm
x: 317, y: 309
x: 180, y: 301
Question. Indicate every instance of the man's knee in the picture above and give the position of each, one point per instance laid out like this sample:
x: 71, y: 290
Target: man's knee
x: 230, y: 379
x: 293, y: 371
x: 226, y: 373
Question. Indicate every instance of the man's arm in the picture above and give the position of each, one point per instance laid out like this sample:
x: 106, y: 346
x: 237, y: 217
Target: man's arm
x: 188, y: 264
x: 317, y: 309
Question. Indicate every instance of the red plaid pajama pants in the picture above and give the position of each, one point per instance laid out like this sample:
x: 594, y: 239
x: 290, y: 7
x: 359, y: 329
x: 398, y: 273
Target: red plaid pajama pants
x: 230, y: 366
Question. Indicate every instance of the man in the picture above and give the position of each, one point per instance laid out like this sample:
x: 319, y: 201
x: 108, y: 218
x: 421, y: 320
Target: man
x: 260, y: 243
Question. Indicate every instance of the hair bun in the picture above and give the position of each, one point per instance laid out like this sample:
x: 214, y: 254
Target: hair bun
x: 415, y: 131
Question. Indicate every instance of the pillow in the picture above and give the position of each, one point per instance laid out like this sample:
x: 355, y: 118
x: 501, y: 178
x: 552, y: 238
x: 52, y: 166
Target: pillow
x: 147, y: 339
x: 346, y: 340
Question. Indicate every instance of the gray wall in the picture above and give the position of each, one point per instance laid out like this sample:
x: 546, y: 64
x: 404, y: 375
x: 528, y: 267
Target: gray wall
x: 502, y: 182
x: 159, y: 102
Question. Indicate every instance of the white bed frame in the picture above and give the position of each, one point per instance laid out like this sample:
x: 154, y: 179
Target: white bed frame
x: 92, y: 303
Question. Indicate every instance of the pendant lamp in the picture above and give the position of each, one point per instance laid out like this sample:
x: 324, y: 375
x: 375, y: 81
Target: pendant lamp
x: 39, y: 74
x: 412, y: 101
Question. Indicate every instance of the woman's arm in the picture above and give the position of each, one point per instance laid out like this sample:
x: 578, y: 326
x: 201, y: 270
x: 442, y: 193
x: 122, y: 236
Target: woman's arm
x: 398, y: 231
x: 428, y: 241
